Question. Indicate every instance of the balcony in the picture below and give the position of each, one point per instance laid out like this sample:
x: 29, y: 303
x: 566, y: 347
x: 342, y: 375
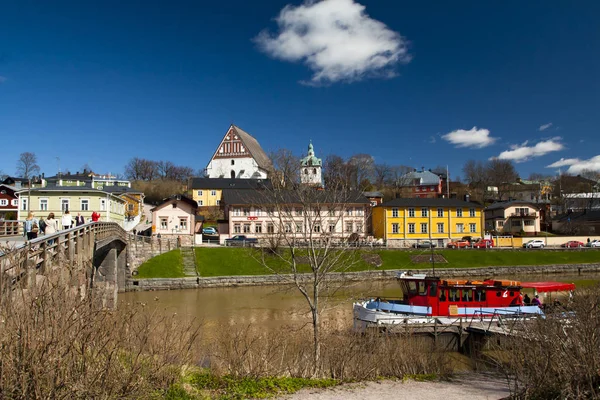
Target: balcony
x: 523, y: 215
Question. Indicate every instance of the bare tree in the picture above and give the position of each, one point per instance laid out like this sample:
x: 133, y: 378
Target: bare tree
x: 477, y: 178
x: 164, y: 169
x: 85, y: 168
x: 140, y: 169
x: 501, y: 174
x: 286, y: 167
x: 335, y: 172
x: 361, y: 169
x: 382, y: 173
x: 311, y: 235
x: 27, y: 165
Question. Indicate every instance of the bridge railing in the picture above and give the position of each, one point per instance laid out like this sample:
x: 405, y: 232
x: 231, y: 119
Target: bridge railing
x: 11, y: 228
x: 65, y: 248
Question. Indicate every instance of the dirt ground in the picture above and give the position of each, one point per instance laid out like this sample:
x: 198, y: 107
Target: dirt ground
x: 472, y: 387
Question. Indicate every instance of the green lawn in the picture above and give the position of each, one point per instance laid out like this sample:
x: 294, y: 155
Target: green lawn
x: 167, y: 265
x: 228, y: 261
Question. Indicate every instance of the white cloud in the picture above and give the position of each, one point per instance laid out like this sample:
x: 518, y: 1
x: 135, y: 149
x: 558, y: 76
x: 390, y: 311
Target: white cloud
x: 337, y: 40
x: 545, y: 126
x: 476, y: 138
x: 576, y: 165
x: 521, y: 153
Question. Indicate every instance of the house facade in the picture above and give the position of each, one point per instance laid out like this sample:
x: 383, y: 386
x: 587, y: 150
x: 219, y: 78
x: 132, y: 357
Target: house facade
x: 403, y: 222
x: 422, y: 184
x: 513, y: 217
x: 76, y: 199
x: 238, y: 156
x: 175, y: 216
x: 256, y: 216
x: 9, y: 202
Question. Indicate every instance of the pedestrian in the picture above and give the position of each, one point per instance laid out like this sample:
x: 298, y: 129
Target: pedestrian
x: 67, y: 220
x: 95, y: 216
x: 31, y: 226
x: 526, y: 300
x: 536, y: 301
x: 51, y: 226
x: 79, y: 220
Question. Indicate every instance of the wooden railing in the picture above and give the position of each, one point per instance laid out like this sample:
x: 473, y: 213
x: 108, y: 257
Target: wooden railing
x: 11, y: 228
x: 71, y: 249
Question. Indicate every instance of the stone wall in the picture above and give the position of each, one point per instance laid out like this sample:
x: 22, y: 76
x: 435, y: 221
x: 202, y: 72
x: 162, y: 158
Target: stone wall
x: 233, y: 281
x: 143, y: 248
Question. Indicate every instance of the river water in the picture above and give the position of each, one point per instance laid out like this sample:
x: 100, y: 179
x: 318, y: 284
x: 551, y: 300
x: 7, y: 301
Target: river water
x: 272, y: 307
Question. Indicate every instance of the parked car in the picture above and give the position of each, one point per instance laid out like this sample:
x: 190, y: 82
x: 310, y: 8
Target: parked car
x: 484, y: 244
x: 459, y: 244
x: 209, y: 231
x: 534, y: 244
x: 241, y: 240
x: 572, y: 244
x: 593, y: 243
x: 424, y: 244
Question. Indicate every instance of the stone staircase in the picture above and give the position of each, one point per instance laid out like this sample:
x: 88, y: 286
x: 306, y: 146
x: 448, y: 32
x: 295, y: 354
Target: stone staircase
x: 189, y: 261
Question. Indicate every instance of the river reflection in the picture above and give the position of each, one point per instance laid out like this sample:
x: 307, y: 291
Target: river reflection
x: 272, y: 307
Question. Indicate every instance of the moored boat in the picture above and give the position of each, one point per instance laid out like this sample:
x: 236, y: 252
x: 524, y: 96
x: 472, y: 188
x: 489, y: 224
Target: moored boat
x: 433, y: 300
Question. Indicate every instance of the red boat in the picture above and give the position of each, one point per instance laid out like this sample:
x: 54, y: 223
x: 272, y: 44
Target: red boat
x: 430, y: 299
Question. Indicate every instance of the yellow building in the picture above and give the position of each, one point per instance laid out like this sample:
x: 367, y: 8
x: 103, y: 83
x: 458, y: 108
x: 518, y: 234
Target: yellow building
x: 403, y: 222
x: 208, y: 192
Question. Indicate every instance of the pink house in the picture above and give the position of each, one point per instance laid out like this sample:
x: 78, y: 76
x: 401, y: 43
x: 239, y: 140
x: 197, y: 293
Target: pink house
x: 175, y: 216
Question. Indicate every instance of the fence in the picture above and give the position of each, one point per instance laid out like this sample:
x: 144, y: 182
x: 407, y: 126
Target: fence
x: 11, y: 228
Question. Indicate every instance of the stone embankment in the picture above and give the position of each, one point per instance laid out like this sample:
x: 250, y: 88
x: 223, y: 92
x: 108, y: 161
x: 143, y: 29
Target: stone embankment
x: 133, y: 284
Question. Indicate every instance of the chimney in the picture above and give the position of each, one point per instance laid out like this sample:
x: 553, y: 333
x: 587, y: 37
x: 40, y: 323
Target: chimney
x: 467, y: 197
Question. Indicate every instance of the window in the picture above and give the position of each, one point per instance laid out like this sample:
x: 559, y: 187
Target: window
x: 64, y: 205
x: 299, y: 226
x: 130, y: 207
x: 529, y: 223
x: 258, y: 228
x: 424, y: 228
x: 423, y: 212
x: 516, y: 224
x: 332, y: 227
x: 288, y: 227
x: 411, y: 212
x: 411, y: 228
x: 472, y: 228
x: 218, y: 202
x: 24, y: 203
x: 85, y: 205
x: 232, y: 162
x: 237, y: 228
x: 3, y: 202
x: 199, y: 192
x: 14, y: 202
x: 471, y: 212
x: 500, y: 223
x: 395, y: 228
x: 183, y: 225
x: 200, y: 202
x: 348, y: 227
x: 360, y: 211
x: 348, y: 212
x: 246, y: 228
x: 298, y: 212
x: 43, y: 204
x: 213, y: 192
x: 440, y: 212
x: 394, y: 213
x: 460, y: 228
x: 359, y: 227
x: 102, y: 204
x: 317, y: 228
x: 270, y: 228
x: 440, y: 227
x: 459, y: 212
x: 164, y: 223
x: 237, y: 212
x: 270, y: 211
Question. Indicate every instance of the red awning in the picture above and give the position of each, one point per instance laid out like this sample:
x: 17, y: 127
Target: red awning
x: 549, y: 286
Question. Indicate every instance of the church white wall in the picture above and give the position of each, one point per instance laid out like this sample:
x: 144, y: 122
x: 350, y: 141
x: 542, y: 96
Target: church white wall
x: 311, y: 178
x: 244, y: 168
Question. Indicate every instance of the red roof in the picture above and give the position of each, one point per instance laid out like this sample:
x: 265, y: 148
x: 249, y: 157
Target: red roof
x: 549, y: 286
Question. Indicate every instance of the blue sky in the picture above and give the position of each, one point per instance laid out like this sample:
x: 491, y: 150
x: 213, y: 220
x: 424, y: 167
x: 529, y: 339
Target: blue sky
x: 419, y: 83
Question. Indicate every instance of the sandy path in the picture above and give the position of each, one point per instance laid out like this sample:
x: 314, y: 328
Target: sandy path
x: 472, y: 387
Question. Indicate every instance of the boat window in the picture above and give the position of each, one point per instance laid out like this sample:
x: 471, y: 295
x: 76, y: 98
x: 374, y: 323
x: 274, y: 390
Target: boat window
x: 412, y: 287
x: 480, y: 295
x: 498, y: 294
x: 454, y: 295
x: 512, y: 294
x: 422, y: 289
x: 467, y: 295
x: 433, y: 289
x: 443, y: 296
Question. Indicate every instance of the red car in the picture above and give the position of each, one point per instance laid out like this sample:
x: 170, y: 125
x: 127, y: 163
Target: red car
x: 484, y: 244
x: 572, y: 244
x: 459, y: 244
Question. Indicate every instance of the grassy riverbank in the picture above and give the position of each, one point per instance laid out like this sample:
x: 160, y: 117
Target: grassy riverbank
x: 229, y: 261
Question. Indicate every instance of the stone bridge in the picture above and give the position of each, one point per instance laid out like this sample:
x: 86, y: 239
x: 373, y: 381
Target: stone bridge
x: 93, y: 260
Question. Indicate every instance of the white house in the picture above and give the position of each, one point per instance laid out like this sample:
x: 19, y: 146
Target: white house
x: 175, y: 216
x: 239, y: 155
